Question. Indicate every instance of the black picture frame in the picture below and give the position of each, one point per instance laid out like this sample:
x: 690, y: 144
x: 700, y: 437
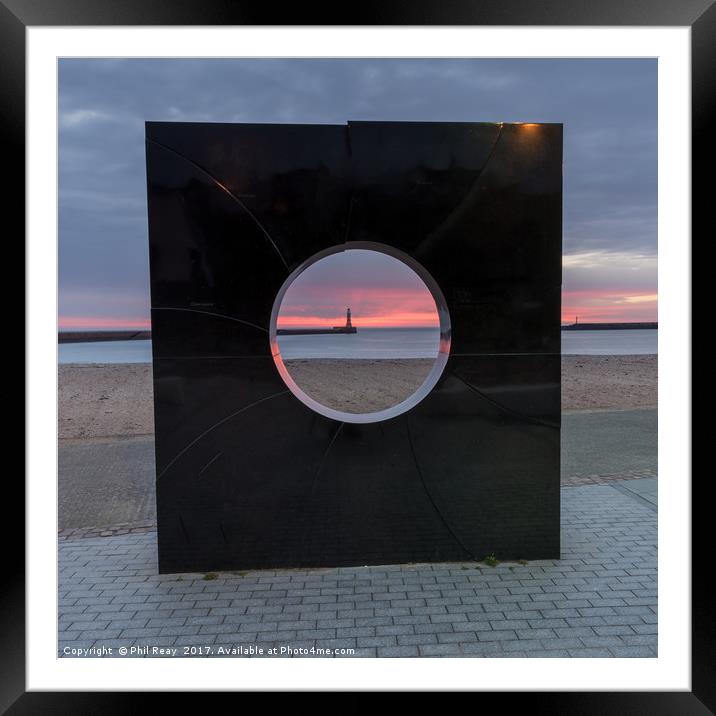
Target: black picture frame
x: 699, y: 15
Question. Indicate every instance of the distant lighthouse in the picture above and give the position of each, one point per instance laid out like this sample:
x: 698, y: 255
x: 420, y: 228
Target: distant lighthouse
x: 348, y: 328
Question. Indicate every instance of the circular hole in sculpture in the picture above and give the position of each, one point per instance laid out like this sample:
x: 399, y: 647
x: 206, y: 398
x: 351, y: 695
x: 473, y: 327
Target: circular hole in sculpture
x: 360, y: 332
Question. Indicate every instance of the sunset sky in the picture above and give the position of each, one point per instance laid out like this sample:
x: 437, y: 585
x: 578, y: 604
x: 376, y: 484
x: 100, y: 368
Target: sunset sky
x: 380, y: 290
x: 608, y: 107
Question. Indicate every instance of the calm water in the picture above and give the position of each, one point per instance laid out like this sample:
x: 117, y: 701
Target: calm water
x: 105, y: 352
x: 369, y: 343
x: 601, y: 343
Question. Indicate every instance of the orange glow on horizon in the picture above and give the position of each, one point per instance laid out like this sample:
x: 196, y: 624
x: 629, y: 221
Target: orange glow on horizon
x: 590, y: 306
x: 371, y: 307
x: 405, y: 319
x: 609, y: 306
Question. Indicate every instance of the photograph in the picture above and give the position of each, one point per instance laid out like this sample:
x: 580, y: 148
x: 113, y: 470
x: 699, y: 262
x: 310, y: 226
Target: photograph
x: 358, y: 357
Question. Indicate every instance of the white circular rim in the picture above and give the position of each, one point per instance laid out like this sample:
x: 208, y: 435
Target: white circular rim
x: 426, y: 386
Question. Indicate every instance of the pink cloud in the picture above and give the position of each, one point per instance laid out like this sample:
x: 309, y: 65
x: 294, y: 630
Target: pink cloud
x: 371, y: 307
x: 609, y: 306
x: 377, y: 307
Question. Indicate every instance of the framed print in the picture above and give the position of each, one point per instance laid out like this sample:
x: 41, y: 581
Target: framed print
x: 354, y: 328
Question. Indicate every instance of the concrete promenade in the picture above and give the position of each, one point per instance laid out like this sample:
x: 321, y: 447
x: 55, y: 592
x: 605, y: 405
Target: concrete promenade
x: 106, y: 485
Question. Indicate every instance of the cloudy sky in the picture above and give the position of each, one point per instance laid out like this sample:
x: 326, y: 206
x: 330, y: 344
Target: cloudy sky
x: 608, y: 107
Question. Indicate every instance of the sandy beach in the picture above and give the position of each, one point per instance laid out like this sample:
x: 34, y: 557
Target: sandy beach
x: 609, y: 382
x: 101, y: 400
x: 360, y: 386
x: 98, y: 400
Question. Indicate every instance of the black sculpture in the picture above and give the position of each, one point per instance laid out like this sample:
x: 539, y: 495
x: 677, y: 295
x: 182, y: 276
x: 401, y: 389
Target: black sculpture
x: 247, y: 475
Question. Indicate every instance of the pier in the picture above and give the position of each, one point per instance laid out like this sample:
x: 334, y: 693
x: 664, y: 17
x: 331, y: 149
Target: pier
x: 348, y: 328
x: 652, y: 325
x: 94, y: 336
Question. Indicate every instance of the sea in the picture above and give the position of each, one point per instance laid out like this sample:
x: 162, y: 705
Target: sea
x: 371, y: 343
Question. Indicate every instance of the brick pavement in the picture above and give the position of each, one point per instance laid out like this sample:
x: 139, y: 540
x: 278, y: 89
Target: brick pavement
x: 599, y: 600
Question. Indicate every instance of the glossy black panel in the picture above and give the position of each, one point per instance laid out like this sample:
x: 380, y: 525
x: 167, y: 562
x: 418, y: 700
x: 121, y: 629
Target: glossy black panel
x: 480, y: 206
x: 225, y: 209
x: 247, y: 475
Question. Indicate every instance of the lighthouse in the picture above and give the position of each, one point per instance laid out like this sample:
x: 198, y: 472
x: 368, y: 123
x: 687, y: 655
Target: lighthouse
x: 348, y: 328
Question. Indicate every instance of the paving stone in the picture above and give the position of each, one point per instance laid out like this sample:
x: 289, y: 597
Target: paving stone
x: 501, y: 636
x: 434, y: 628
x: 535, y: 633
x: 525, y: 645
x: 416, y: 639
x: 170, y: 622
x: 100, y: 634
x: 88, y: 624
x: 377, y: 641
x: 355, y: 631
x: 457, y: 637
x: 472, y: 626
x: 590, y: 653
x: 498, y: 624
x: 640, y: 640
x: 415, y: 619
x: 606, y: 641
x: 374, y: 621
x: 633, y: 651
x: 398, y: 651
x: 128, y: 624
x: 613, y: 630
x: 142, y: 633
x: 439, y: 649
x: 395, y: 630
x: 179, y: 631
x: 567, y: 632
x: 481, y: 648
x: 321, y: 634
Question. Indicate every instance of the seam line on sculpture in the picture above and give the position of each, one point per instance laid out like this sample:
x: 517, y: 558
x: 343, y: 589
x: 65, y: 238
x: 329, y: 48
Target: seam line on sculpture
x: 430, y: 497
x: 210, y: 313
x: 499, y: 405
x: 530, y: 353
x: 216, y: 425
x: 348, y: 220
x: 325, y: 456
x: 183, y: 529
x: 229, y: 356
x: 209, y: 464
x: 492, y: 151
x: 459, y: 208
x: 228, y: 192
